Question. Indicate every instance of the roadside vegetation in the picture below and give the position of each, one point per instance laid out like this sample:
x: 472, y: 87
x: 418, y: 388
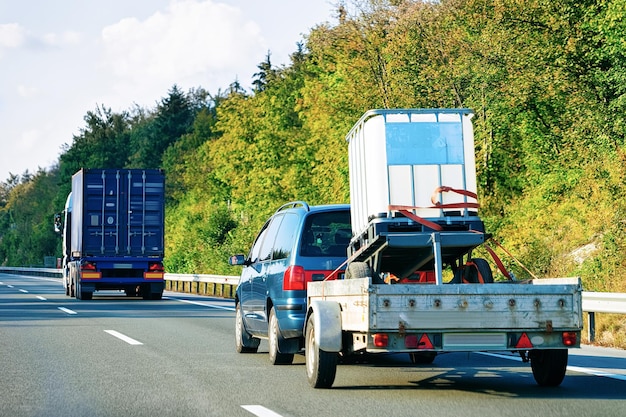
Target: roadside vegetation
x: 546, y: 80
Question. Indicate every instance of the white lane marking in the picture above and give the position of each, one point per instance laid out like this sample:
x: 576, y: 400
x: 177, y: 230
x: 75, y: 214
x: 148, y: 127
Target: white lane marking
x: 260, y: 411
x: 67, y: 310
x: 199, y: 303
x: 123, y: 337
x: 24, y: 291
x: 42, y: 298
x: 589, y: 371
x: 10, y: 286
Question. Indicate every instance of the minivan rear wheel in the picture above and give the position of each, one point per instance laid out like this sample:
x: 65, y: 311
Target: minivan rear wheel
x: 276, y: 357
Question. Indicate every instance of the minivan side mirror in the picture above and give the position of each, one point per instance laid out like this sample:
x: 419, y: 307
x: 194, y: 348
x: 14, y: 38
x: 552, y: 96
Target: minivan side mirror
x: 237, y: 260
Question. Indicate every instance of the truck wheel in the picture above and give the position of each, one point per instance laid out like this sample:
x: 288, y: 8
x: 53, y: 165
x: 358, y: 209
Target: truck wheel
x: 276, y: 357
x: 549, y: 366
x: 321, y: 366
x: 244, y: 342
x: 86, y: 295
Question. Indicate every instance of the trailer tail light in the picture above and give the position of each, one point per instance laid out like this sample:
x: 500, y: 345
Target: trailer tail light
x: 155, y: 271
x: 88, y: 271
x: 381, y: 340
x: 570, y: 338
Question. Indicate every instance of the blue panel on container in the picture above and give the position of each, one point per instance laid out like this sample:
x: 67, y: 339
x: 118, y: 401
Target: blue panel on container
x: 424, y: 143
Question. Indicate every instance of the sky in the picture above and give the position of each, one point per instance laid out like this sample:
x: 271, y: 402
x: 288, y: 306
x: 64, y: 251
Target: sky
x: 60, y: 59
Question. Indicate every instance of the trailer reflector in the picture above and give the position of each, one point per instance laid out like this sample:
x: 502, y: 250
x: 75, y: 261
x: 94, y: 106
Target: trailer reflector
x: 524, y: 342
x: 425, y: 342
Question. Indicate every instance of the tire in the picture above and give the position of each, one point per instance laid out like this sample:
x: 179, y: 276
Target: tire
x: 276, y: 357
x: 358, y: 270
x: 471, y: 275
x: 549, y: 366
x: 86, y: 295
x: 484, y: 269
x: 422, y: 358
x: 244, y: 342
x: 321, y: 366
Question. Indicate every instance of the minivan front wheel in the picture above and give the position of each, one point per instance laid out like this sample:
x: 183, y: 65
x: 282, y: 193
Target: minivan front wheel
x: 276, y: 358
x: 244, y: 342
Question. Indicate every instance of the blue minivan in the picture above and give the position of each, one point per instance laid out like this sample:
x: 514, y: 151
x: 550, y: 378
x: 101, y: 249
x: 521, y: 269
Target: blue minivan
x: 298, y: 244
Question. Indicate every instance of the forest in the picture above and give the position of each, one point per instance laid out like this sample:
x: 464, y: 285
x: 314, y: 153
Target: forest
x: 545, y: 79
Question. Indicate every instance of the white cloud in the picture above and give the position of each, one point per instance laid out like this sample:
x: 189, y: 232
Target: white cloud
x: 12, y: 35
x: 191, y: 40
x: 27, y: 91
x: 61, y: 39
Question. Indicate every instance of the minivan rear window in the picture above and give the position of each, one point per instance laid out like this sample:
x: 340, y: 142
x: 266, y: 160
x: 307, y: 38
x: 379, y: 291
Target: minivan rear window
x: 326, y: 234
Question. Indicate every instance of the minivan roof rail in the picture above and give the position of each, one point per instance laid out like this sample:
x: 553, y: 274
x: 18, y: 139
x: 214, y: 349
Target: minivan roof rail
x: 294, y: 204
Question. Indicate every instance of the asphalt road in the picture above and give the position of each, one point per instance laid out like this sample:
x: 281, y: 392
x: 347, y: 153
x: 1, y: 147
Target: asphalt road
x: 119, y: 356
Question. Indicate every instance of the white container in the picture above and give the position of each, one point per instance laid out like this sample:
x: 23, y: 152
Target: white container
x: 399, y: 157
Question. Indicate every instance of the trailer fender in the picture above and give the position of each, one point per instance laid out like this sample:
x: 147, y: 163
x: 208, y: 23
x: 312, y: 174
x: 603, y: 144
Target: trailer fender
x: 327, y: 322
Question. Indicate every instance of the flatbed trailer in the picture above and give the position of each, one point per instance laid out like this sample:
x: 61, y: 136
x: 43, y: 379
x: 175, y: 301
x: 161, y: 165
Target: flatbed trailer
x: 412, y: 285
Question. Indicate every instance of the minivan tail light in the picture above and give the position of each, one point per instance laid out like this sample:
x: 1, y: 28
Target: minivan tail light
x: 294, y: 279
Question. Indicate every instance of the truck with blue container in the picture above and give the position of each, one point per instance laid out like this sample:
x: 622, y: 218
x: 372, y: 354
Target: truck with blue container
x: 413, y: 283
x: 113, y: 233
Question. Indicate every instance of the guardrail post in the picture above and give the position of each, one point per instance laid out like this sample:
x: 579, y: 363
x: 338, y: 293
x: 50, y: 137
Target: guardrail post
x: 591, y: 331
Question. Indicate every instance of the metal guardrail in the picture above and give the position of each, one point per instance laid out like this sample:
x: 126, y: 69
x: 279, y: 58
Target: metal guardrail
x: 224, y: 286
x: 601, y: 302
x: 218, y: 285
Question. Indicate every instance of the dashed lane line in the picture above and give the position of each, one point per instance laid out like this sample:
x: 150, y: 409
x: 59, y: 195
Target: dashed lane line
x: 123, y: 337
x: 260, y: 411
x: 67, y: 310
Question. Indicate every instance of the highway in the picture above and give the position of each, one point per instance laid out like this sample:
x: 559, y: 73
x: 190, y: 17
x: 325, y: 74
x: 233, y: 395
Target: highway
x: 119, y: 356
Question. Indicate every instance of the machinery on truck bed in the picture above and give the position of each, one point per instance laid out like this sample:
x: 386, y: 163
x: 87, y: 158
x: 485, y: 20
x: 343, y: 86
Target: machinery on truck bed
x: 113, y: 233
x: 412, y: 285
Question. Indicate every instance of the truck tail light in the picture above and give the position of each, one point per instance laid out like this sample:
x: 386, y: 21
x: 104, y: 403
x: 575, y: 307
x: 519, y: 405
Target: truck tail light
x: 155, y: 271
x: 88, y: 270
x: 570, y: 338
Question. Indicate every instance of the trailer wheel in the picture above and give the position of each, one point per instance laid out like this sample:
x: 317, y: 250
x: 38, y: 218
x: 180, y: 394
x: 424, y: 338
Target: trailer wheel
x: 549, y: 366
x: 244, y: 342
x: 321, y: 366
x: 422, y: 358
x: 276, y: 357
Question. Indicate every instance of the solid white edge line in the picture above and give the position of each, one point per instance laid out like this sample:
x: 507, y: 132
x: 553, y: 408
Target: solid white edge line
x: 198, y: 303
x: 42, y: 298
x: 260, y: 411
x: 589, y: 371
x: 123, y: 337
x: 67, y: 310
